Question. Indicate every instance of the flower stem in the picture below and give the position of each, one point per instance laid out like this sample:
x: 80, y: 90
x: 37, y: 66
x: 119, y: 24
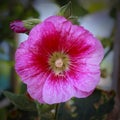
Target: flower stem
x: 106, y: 54
x: 38, y: 110
x: 56, y: 110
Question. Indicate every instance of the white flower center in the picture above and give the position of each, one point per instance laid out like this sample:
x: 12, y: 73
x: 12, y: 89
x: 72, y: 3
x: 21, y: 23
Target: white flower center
x: 59, y: 63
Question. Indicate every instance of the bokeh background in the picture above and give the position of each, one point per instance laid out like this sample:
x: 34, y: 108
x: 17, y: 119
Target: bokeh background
x: 102, y: 18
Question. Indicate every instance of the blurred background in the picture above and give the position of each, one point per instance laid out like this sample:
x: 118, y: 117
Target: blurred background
x: 102, y: 18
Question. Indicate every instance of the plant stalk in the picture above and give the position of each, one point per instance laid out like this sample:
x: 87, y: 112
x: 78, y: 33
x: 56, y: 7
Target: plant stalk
x: 56, y: 110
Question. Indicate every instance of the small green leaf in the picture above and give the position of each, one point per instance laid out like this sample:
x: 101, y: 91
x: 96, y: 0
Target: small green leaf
x: 23, y: 88
x: 106, y: 42
x: 65, y: 10
x: 21, y: 101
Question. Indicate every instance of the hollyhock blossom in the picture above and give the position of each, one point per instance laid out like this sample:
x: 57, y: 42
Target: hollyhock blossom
x: 18, y: 26
x: 59, y: 61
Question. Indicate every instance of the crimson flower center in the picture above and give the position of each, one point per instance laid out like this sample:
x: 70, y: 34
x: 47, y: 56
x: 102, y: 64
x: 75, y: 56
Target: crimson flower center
x: 59, y: 62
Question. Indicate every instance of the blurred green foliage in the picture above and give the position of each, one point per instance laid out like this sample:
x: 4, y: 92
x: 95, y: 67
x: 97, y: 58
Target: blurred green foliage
x: 11, y: 10
x: 21, y: 101
x: 77, y: 9
x: 94, y: 107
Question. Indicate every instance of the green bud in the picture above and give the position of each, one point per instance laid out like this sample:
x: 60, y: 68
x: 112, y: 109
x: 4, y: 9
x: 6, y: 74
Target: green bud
x: 30, y: 23
x: 65, y: 10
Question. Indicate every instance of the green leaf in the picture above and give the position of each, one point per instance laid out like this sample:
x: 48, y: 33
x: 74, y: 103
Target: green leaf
x: 3, y: 114
x: 61, y: 2
x: 65, y: 10
x: 23, y: 88
x: 107, y: 42
x: 21, y: 101
x: 94, y: 107
x: 78, y: 10
x: 85, y: 106
x: 105, y: 104
x: 113, y: 12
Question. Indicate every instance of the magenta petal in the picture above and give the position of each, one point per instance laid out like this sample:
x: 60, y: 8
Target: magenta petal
x: 96, y: 54
x: 86, y: 53
x: 35, y: 88
x: 86, y: 81
x: 57, y: 90
x: 82, y: 94
x: 59, y: 22
x: 84, y: 47
x: 28, y: 67
x: 41, y: 32
x: 84, y: 77
x: 24, y: 62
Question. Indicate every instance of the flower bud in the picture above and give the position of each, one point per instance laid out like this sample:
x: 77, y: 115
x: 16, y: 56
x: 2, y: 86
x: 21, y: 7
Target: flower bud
x: 18, y: 26
x: 65, y: 10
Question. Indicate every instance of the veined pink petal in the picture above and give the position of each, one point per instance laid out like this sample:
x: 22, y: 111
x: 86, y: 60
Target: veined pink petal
x: 82, y: 94
x: 57, y: 89
x: 84, y: 81
x: 84, y: 46
x: 36, y: 91
x: 60, y: 90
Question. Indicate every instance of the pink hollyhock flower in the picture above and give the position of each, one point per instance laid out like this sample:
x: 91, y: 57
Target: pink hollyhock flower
x: 18, y: 26
x: 59, y: 61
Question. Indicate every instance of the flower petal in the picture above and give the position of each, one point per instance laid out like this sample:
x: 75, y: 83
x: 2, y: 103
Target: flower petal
x: 35, y: 87
x: 57, y: 89
x: 60, y: 23
x: 84, y: 46
x: 85, y: 53
x: 82, y: 94
x: 84, y: 79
